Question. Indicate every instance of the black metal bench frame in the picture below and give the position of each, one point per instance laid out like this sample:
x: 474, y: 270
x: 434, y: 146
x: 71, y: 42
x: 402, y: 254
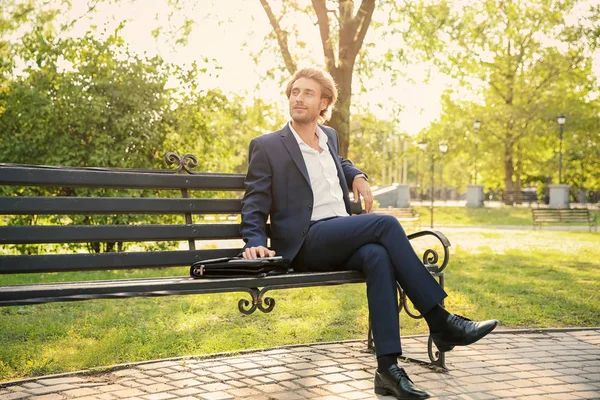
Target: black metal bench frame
x: 563, y: 215
x: 180, y: 179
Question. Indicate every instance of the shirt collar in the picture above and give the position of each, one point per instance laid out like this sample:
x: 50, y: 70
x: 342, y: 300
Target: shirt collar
x: 320, y: 134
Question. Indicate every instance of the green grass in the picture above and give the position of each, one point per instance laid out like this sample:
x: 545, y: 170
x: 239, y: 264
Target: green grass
x: 444, y: 216
x: 523, y: 278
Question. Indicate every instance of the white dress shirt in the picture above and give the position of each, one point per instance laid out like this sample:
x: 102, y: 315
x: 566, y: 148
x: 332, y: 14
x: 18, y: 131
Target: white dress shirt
x: 328, y: 200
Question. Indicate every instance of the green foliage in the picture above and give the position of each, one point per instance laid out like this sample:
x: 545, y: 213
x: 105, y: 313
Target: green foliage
x: 530, y: 68
x: 90, y: 101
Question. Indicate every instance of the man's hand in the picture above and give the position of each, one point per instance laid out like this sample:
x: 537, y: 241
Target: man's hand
x: 361, y: 186
x: 252, y: 253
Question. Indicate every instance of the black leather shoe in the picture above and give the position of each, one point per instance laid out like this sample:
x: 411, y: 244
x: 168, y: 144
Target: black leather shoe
x: 461, y: 331
x: 395, y: 382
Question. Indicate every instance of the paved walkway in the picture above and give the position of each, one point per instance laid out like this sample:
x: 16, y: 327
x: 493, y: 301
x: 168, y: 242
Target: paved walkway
x: 547, y: 364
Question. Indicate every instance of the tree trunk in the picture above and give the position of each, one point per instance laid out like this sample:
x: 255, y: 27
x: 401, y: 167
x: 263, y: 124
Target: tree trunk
x: 340, y: 118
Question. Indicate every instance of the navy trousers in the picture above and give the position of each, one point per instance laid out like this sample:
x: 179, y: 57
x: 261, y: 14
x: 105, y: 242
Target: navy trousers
x: 376, y: 245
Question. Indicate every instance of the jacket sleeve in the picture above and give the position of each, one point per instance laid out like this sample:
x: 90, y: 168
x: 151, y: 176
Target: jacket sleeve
x: 350, y: 171
x: 256, y: 203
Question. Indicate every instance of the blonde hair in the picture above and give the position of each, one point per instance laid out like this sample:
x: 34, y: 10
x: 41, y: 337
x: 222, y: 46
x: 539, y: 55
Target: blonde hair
x: 325, y: 80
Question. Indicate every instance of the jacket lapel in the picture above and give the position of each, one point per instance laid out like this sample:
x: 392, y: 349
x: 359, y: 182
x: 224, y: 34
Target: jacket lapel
x: 336, y: 159
x: 290, y: 143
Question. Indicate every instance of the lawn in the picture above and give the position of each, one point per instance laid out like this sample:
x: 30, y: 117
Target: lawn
x: 523, y: 278
x: 449, y: 216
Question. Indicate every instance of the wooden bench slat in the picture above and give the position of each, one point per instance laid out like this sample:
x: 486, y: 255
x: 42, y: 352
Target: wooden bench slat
x: 122, y: 233
x: 73, y: 291
x: 107, y: 261
x: 104, y: 178
x: 16, y: 205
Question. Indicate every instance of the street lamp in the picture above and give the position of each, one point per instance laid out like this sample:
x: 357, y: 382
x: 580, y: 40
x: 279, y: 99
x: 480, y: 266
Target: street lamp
x: 477, y: 125
x: 561, y: 122
x: 443, y: 147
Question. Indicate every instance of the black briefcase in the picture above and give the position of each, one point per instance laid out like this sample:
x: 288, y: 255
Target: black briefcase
x: 238, y: 267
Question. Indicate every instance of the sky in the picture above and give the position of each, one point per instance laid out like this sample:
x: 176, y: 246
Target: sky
x: 228, y: 31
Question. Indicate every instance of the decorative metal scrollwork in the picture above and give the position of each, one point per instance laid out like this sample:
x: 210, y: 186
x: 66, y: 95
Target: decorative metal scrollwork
x: 185, y: 163
x: 403, y: 304
x: 430, y: 257
x: 437, y: 357
x: 257, y: 302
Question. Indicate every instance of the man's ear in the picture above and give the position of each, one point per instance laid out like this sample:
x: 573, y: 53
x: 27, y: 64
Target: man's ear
x: 324, y: 104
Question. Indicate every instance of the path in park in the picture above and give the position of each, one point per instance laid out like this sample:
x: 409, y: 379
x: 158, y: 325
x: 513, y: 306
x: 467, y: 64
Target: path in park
x: 547, y: 364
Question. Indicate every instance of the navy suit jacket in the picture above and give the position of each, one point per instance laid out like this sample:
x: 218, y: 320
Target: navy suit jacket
x: 278, y: 185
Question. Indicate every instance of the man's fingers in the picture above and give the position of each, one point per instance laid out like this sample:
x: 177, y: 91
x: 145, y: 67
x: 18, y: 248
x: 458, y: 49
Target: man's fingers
x: 355, y: 191
x: 262, y: 251
x: 271, y: 253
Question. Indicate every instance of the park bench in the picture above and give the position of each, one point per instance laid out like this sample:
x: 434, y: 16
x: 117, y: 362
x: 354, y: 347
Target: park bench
x: 116, y: 212
x: 402, y: 214
x: 512, y: 197
x: 563, y: 215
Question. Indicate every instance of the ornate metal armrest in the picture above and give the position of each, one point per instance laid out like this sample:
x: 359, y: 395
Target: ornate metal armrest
x: 431, y: 257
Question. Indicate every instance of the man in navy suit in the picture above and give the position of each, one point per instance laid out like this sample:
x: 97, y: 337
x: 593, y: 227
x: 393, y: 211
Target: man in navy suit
x: 296, y: 177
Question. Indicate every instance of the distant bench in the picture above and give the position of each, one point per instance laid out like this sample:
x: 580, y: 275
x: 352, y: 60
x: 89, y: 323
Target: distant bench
x: 512, y: 197
x: 563, y: 215
x: 114, y: 212
x: 402, y: 214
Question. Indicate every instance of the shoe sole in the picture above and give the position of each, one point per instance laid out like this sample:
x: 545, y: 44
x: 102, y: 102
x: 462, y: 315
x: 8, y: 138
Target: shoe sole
x: 444, y: 348
x: 384, y: 392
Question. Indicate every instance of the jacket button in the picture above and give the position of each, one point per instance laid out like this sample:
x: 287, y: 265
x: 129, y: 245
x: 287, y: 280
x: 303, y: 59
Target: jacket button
x: 303, y: 233
x: 309, y: 207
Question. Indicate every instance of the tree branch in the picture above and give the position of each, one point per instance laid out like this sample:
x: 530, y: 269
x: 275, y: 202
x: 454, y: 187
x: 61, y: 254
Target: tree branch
x: 282, y: 37
x: 323, y: 21
x: 362, y: 21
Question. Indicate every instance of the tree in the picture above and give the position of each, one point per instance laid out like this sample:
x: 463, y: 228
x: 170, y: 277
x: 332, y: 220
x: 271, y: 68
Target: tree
x: 513, y: 48
x: 347, y: 30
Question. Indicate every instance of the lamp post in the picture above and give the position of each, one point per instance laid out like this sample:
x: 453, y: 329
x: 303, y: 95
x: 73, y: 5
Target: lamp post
x: 443, y: 147
x: 561, y: 122
x: 477, y: 125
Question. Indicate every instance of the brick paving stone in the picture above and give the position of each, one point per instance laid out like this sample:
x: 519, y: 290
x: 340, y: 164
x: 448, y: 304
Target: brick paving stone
x: 303, y: 365
x: 362, y: 384
x: 290, y: 385
x: 571, y: 378
x: 126, y: 393
x: 51, y: 389
x: 271, y: 388
x: 285, y: 396
x: 308, y: 382
x: 330, y: 370
x: 159, y: 396
x: 187, y: 391
x: 6, y: 395
x: 338, y: 388
x: 356, y: 395
x: 216, y: 396
x: 284, y: 376
x: 307, y: 372
x: 52, y: 396
x: 218, y: 386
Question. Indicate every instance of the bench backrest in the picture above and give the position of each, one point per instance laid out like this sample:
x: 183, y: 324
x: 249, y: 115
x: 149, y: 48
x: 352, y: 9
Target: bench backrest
x: 117, y: 207
x: 562, y: 214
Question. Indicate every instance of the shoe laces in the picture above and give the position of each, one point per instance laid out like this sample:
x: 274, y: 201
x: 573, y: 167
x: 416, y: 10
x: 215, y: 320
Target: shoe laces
x: 459, y: 320
x: 398, y: 373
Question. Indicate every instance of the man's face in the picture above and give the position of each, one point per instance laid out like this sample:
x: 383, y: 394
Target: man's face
x: 305, y: 101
